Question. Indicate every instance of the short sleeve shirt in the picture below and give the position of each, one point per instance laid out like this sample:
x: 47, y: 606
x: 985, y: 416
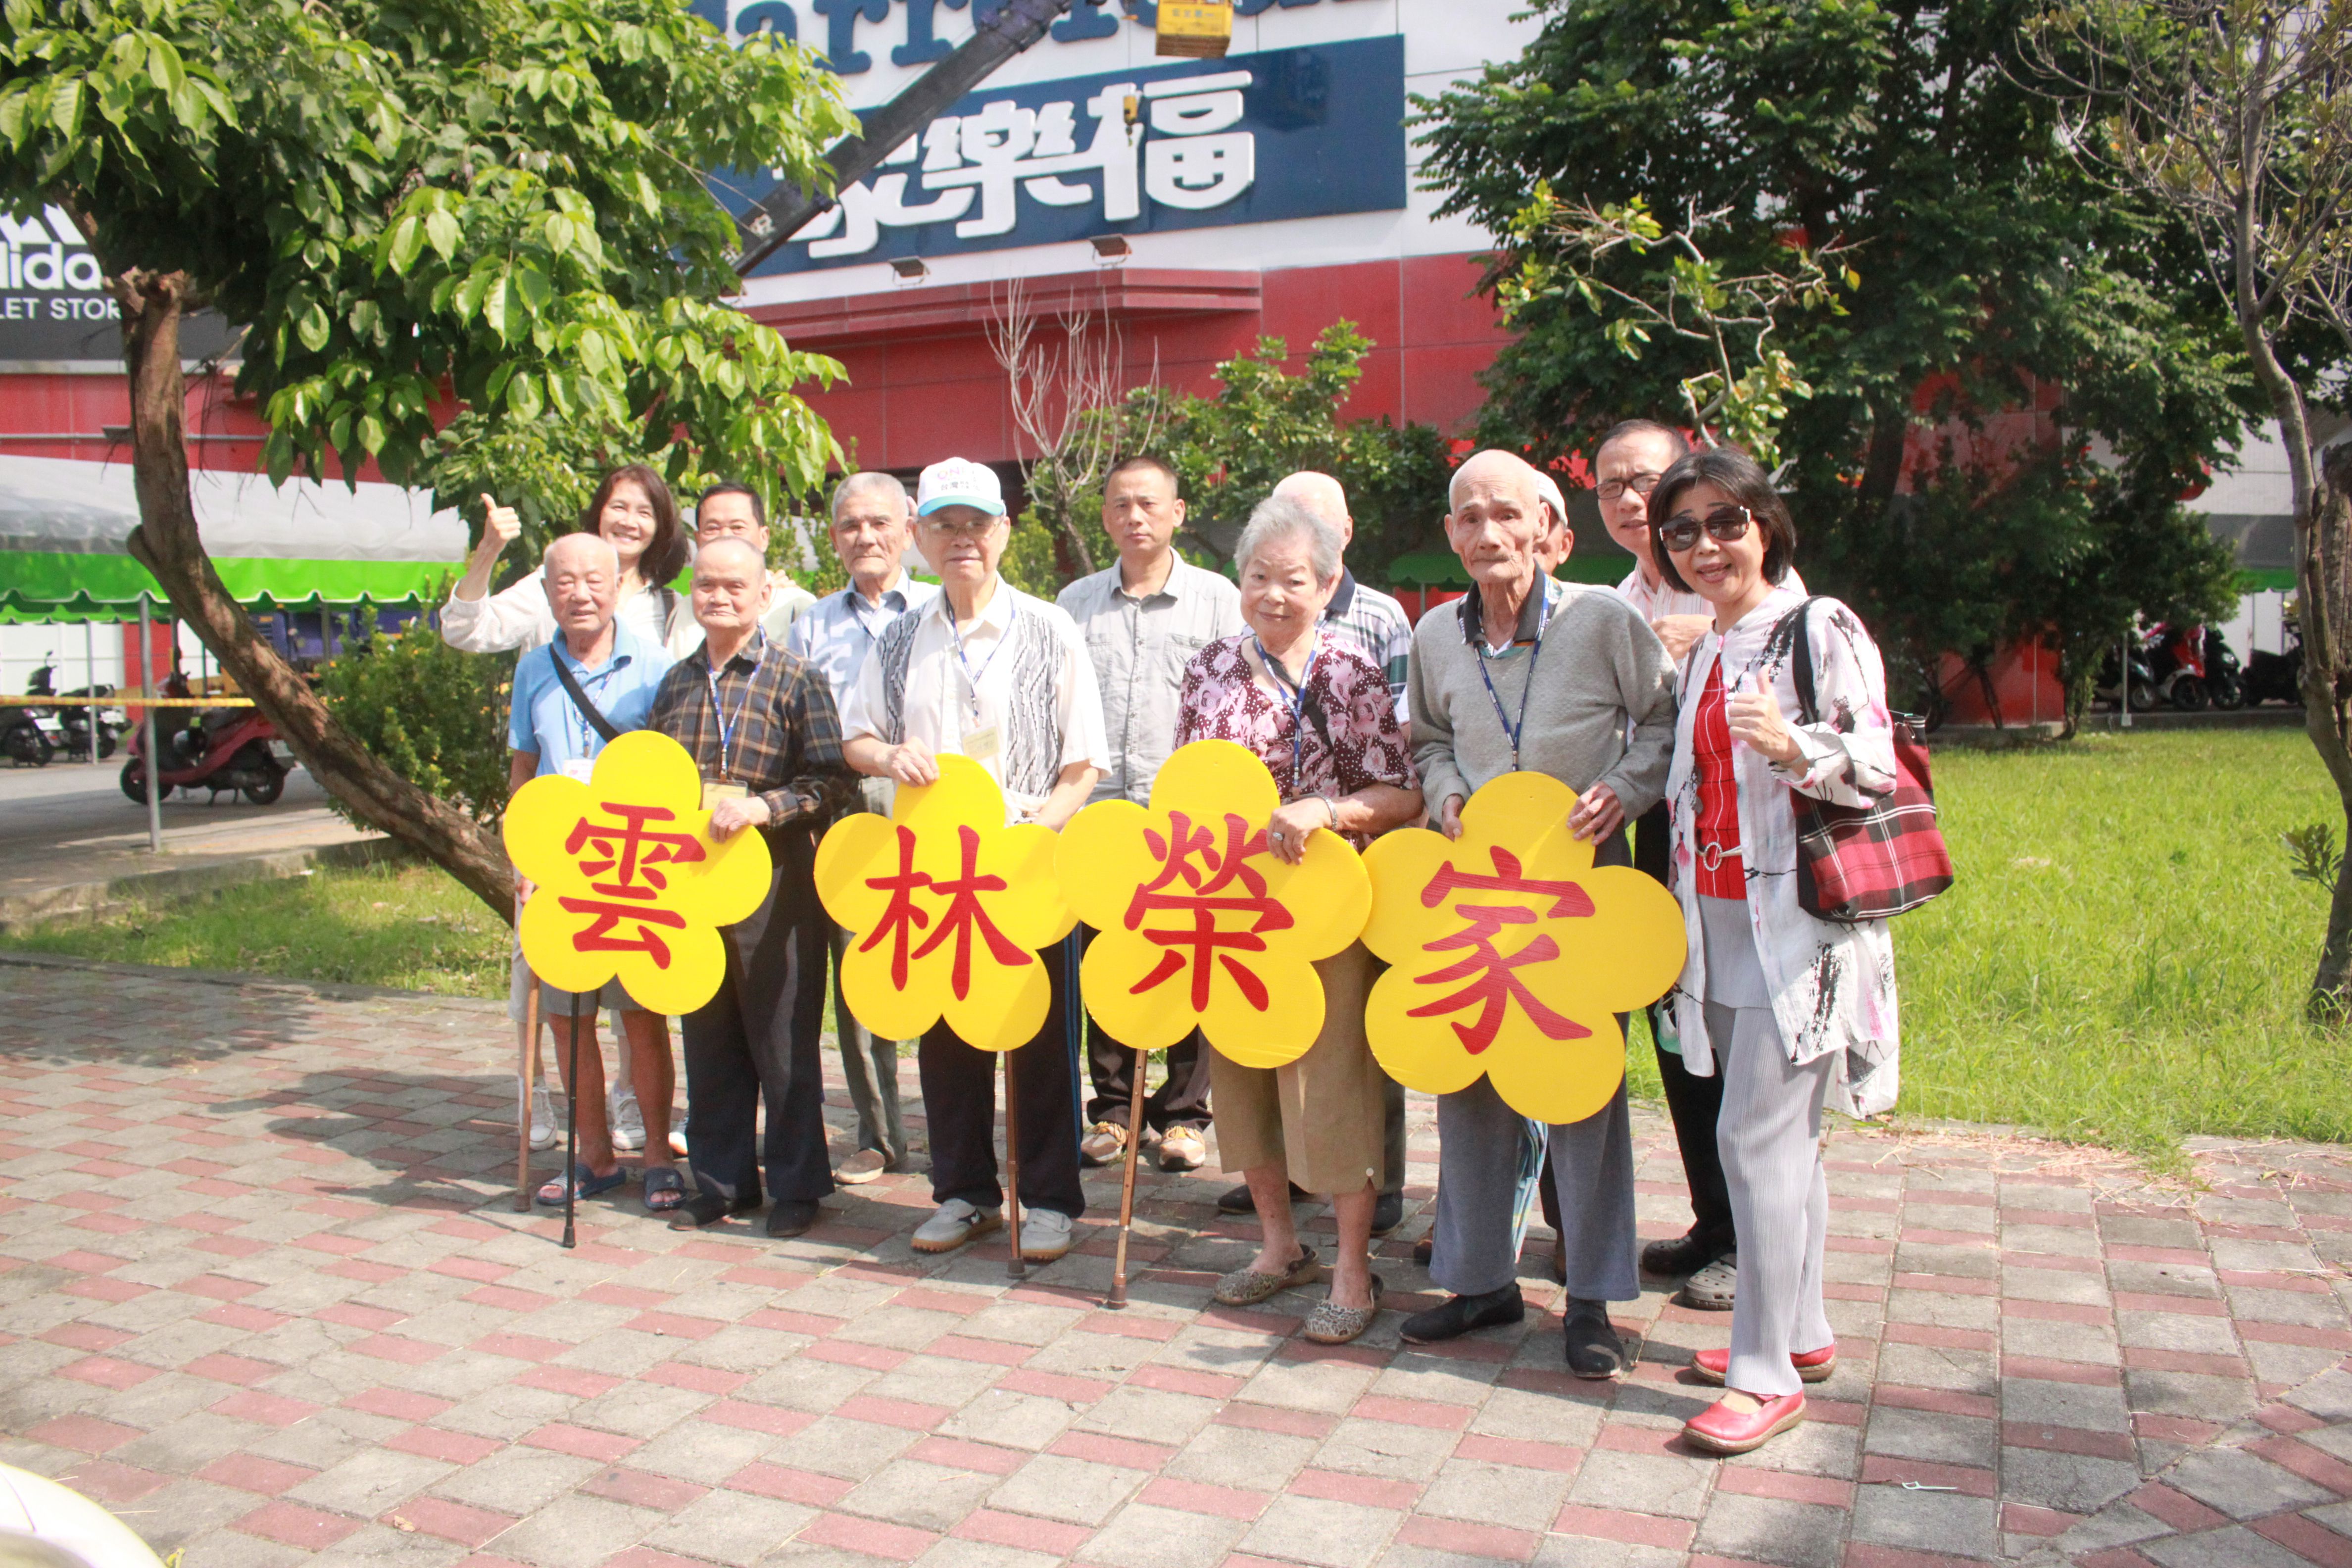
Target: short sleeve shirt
x: 543, y: 717
x: 1140, y: 646
x: 1351, y: 737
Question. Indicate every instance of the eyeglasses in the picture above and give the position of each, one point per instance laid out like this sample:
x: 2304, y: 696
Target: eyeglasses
x: 969, y: 527
x: 1640, y: 484
x: 1724, y: 524
x: 727, y: 528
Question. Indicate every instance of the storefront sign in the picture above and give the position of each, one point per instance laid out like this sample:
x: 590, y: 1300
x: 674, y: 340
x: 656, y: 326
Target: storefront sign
x: 54, y: 306
x: 1283, y: 133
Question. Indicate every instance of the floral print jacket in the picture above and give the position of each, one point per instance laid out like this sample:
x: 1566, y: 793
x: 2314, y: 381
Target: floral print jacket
x: 1833, y: 985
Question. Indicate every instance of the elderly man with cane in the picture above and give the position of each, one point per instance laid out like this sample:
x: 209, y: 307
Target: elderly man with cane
x: 760, y: 725
x: 570, y: 696
x: 1553, y: 678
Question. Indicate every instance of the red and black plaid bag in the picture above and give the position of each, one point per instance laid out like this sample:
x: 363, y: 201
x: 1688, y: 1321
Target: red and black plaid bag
x: 1865, y: 863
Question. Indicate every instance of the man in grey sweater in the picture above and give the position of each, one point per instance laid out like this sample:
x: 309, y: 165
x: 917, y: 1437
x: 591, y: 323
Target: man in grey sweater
x: 1551, y: 678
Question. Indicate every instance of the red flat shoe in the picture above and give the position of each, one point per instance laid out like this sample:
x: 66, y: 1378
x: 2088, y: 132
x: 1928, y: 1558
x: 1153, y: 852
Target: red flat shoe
x: 1738, y: 1422
x: 1814, y: 1366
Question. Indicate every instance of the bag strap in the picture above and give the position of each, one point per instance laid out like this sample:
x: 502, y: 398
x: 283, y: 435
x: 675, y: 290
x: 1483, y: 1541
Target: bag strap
x: 1796, y: 628
x: 588, y: 711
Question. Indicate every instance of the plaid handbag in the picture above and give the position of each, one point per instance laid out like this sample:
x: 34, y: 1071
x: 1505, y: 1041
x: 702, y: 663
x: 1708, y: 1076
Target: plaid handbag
x: 1865, y: 863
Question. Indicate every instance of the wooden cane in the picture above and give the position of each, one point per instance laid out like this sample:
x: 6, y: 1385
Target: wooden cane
x: 572, y: 1129
x: 1118, y: 1297
x: 1015, y: 1268
x: 530, y: 1073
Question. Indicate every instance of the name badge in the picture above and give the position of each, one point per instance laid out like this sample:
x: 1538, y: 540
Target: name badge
x: 981, y: 744
x: 715, y: 790
x: 580, y: 768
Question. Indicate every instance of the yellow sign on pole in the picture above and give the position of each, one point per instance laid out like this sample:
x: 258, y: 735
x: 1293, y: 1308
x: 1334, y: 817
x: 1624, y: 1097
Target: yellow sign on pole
x: 629, y: 880
x: 1199, y: 925
x: 950, y: 908
x: 1196, y: 29
x: 1511, y: 953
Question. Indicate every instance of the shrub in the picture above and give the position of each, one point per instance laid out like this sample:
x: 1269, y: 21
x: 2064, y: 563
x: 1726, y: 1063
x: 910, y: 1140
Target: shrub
x: 435, y: 715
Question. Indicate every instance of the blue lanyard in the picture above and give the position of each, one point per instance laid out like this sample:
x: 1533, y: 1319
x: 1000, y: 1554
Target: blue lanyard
x: 971, y: 678
x: 726, y: 725
x: 1511, y: 732
x: 1294, y: 695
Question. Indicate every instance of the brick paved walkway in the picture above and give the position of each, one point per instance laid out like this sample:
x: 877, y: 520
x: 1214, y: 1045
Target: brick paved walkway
x: 261, y: 1292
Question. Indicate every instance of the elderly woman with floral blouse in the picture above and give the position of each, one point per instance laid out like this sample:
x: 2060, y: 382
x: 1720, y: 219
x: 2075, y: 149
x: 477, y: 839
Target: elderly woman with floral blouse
x: 1787, y: 1009
x: 1320, y: 716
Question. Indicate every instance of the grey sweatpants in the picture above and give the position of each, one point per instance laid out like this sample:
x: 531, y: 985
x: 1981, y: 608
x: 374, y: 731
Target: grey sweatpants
x: 1770, y: 1136
x: 1477, y: 1176
x: 871, y: 1068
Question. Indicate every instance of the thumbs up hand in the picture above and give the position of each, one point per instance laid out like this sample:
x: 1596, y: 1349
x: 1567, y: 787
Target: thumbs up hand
x: 500, y: 525
x: 1754, y: 719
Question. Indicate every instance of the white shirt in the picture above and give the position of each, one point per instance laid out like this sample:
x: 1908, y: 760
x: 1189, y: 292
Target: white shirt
x: 519, y: 616
x: 967, y: 701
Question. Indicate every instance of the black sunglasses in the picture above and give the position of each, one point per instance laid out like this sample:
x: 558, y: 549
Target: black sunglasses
x: 1724, y: 524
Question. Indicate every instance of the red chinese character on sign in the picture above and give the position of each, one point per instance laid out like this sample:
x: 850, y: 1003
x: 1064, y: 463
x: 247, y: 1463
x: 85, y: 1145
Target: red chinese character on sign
x: 1493, y: 982
x: 1203, y: 946
x: 627, y: 852
x: 964, y: 912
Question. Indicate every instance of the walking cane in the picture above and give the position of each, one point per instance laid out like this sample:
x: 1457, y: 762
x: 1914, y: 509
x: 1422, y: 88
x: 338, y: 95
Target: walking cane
x: 529, y: 1072
x: 571, y: 1129
x: 1118, y: 1297
x: 1013, y: 1269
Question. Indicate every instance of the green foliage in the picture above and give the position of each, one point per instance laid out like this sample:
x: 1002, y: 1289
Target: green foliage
x: 2313, y: 856
x: 434, y: 716
x: 1935, y: 480
x: 402, y: 202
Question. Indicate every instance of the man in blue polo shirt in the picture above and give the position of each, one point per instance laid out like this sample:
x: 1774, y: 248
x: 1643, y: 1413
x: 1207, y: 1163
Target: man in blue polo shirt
x: 557, y: 727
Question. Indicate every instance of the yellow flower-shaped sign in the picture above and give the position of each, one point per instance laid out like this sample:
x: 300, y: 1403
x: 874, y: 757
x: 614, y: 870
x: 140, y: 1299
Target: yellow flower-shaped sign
x: 630, y: 881
x: 1199, y: 925
x: 950, y: 906
x: 1511, y: 953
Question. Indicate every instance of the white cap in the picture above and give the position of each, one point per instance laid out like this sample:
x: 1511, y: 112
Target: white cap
x: 958, y: 481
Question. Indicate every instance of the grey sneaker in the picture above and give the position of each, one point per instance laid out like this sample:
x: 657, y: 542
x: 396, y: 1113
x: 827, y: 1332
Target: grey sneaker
x: 955, y: 1223
x: 1044, y: 1234
x: 628, y: 1122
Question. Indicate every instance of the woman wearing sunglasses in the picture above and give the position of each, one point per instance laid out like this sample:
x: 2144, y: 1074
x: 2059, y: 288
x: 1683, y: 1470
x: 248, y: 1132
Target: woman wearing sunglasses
x: 1785, y: 1007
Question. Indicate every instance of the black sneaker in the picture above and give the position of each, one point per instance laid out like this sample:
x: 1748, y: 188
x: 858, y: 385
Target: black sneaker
x: 1593, y: 1349
x: 793, y: 1217
x: 1237, y: 1200
x: 1388, y: 1213
x: 1681, y: 1255
x: 1460, y: 1314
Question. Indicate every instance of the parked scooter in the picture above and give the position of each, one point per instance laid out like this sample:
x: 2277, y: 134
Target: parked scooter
x: 2223, y: 679
x: 77, y: 723
x: 221, y: 749
x: 23, y: 740
x: 2277, y: 676
x: 2143, y: 684
x: 2176, y: 660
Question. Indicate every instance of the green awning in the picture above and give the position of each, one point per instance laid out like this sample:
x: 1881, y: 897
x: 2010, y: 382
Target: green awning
x: 2267, y: 580
x: 56, y: 585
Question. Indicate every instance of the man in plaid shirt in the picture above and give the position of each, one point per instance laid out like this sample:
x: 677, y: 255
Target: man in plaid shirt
x: 762, y: 726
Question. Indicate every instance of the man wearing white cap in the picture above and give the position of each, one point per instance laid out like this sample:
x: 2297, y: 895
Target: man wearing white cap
x: 1003, y: 677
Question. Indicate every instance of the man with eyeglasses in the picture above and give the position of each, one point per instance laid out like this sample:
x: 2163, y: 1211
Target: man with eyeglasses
x: 1005, y: 679
x: 873, y: 521
x: 1526, y: 673
x: 730, y: 510
x: 1626, y: 468
x: 1144, y: 616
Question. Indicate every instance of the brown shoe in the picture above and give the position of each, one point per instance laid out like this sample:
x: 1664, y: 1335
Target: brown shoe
x: 860, y: 1168
x: 1104, y: 1144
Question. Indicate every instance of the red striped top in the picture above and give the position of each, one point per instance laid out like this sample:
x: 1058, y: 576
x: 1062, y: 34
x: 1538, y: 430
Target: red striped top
x: 1718, y: 797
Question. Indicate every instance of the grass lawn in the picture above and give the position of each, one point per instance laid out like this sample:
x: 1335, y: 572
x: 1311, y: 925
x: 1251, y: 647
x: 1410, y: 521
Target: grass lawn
x: 2122, y: 962
x: 402, y: 925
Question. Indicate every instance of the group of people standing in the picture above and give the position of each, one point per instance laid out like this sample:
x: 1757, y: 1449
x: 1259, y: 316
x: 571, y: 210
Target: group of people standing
x: 1669, y: 705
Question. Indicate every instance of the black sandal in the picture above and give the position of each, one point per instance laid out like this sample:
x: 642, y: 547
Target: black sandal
x: 663, y: 1182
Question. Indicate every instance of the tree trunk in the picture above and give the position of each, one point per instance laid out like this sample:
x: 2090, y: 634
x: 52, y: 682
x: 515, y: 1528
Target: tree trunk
x: 166, y: 542
x: 2324, y: 611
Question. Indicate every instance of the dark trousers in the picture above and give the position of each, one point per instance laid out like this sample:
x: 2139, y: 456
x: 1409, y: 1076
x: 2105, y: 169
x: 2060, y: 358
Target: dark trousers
x: 1693, y: 1102
x: 1181, y: 1102
x: 959, y: 1106
x: 757, y: 1040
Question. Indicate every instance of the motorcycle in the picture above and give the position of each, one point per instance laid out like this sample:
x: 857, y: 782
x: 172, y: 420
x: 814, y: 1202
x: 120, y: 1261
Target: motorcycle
x: 2109, y: 688
x: 2178, y: 662
x: 2223, y: 677
x: 2277, y: 677
x: 220, y: 749
x: 23, y: 740
x: 76, y: 724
